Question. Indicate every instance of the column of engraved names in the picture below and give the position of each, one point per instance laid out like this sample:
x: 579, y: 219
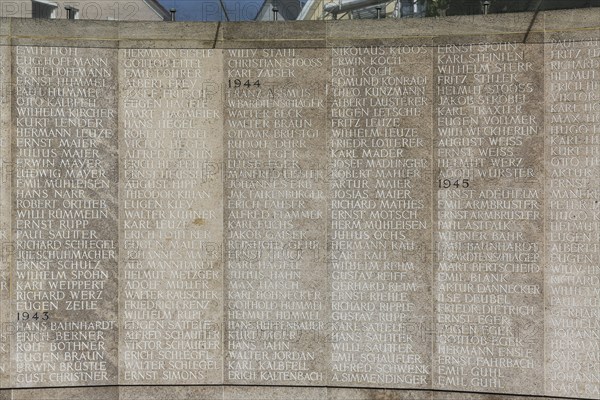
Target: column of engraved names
x: 276, y: 303
x: 64, y: 202
x: 380, y: 215
x: 171, y: 216
x: 489, y: 198
x: 5, y: 214
x: 573, y: 217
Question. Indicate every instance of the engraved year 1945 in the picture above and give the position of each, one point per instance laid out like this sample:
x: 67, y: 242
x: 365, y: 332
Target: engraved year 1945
x: 451, y: 183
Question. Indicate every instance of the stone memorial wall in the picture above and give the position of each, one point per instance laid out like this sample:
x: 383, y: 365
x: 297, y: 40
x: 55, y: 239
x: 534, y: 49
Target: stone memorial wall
x: 342, y: 210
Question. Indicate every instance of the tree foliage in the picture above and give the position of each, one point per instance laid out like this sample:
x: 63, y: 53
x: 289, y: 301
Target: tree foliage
x: 437, y: 8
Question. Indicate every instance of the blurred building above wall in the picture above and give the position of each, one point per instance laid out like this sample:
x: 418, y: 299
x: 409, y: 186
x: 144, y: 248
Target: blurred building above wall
x: 123, y: 10
x: 359, y: 9
x: 279, y: 10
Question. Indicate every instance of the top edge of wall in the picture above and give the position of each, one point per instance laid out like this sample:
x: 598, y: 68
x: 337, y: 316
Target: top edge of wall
x: 458, y: 29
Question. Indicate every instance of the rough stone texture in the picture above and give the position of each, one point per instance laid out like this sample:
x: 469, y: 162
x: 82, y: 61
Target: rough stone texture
x: 273, y: 393
x: 276, y: 193
x: 170, y: 393
x: 171, y: 187
x: 96, y: 393
x: 572, y: 296
x: 65, y: 213
x: 182, y: 35
x: 380, y: 215
x: 475, y: 396
x: 376, y: 394
x: 5, y: 207
x: 309, y: 34
x: 295, y: 205
x: 489, y: 136
x: 42, y: 32
x: 391, y: 32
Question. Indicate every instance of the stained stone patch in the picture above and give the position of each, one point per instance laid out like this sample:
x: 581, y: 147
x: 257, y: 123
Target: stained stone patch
x: 170, y: 393
x: 377, y: 394
x: 273, y: 393
x: 96, y: 393
x: 475, y: 396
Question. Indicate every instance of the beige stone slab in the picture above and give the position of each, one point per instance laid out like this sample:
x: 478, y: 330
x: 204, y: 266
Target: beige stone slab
x: 168, y: 35
x: 179, y: 133
x: 308, y: 34
x: 273, y: 393
x: 376, y: 394
x: 376, y: 33
x: 6, y: 249
x: 5, y: 394
x: 76, y: 153
x: 170, y: 393
x: 381, y: 273
x: 390, y: 31
x: 5, y: 26
x: 277, y: 303
x: 571, y: 20
x: 572, y: 146
x: 93, y: 393
x: 469, y: 168
x: 66, y: 33
x: 171, y: 230
x: 476, y: 396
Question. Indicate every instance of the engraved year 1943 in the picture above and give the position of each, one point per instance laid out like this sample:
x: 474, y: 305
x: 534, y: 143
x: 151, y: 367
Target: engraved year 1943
x: 24, y: 316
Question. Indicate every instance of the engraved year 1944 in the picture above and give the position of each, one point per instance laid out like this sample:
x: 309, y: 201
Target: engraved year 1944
x: 238, y: 83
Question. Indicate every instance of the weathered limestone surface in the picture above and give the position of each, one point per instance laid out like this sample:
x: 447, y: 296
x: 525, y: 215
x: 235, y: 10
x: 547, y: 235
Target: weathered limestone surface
x: 572, y: 295
x: 171, y: 216
x: 342, y: 210
x: 171, y: 393
x: 5, y: 206
x: 380, y: 214
x: 97, y: 393
x: 65, y: 215
x: 276, y: 202
x: 489, y: 240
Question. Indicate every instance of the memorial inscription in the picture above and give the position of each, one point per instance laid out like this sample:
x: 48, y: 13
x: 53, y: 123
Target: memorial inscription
x: 275, y: 205
x: 573, y: 217
x: 489, y: 205
x: 64, y: 219
x: 171, y: 216
x: 380, y: 224
x: 5, y: 213
x: 345, y: 213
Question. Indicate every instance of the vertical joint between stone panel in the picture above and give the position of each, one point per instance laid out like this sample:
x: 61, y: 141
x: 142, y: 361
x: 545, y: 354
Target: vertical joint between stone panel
x: 545, y: 203
x: 223, y: 219
x: 9, y: 178
x: 433, y: 247
x: 119, y: 217
x: 327, y: 258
